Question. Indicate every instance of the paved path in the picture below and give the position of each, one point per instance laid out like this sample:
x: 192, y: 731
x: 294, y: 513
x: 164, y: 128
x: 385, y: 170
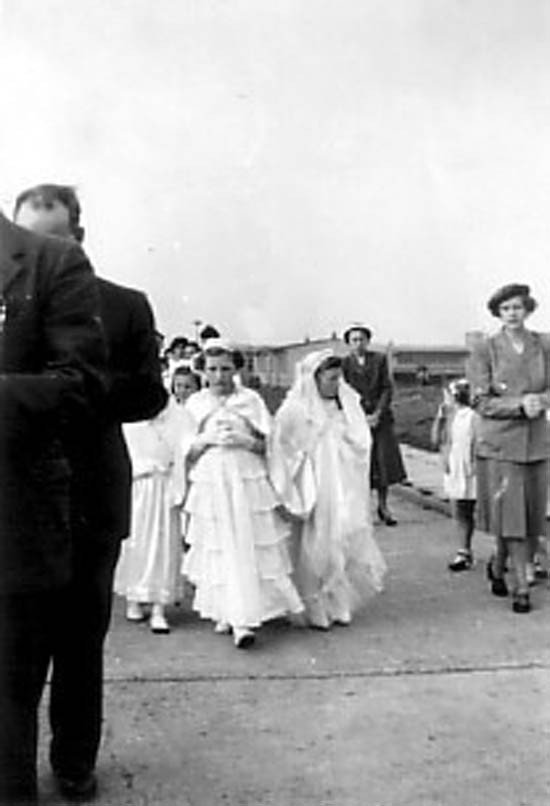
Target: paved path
x: 436, y: 695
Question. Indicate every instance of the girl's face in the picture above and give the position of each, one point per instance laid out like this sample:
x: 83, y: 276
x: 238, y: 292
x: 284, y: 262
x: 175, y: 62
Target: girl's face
x: 219, y: 371
x: 513, y: 313
x: 184, y: 385
x: 327, y: 382
x: 190, y: 350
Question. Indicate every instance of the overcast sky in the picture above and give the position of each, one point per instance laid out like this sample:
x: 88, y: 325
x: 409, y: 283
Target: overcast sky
x: 280, y: 167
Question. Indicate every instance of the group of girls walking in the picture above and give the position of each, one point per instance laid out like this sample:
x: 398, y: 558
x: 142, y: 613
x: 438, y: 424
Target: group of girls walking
x: 275, y: 513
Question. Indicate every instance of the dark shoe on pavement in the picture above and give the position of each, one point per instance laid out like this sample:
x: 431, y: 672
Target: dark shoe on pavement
x: 499, y: 587
x: 462, y: 562
x: 521, y: 603
x: 243, y: 637
x: 540, y: 571
x: 386, y: 517
x: 78, y: 790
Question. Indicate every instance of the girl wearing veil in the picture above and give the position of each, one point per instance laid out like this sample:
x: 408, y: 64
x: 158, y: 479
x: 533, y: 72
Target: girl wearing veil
x: 324, y: 442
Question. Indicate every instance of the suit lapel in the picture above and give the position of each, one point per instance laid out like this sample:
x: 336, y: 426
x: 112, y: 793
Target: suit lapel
x: 10, y: 251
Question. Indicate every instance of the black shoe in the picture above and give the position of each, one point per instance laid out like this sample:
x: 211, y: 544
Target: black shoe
x: 80, y: 789
x: 462, y: 562
x: 386, y: 517
x: 540, y: 571
x: 499, y: 587
x: 521, y: 603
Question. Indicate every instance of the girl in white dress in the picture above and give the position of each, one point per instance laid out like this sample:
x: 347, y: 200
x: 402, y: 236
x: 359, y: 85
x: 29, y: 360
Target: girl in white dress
x: 453, y: 432
x: 238, y: 558
x: 148, y: 572
x: 322, y: 434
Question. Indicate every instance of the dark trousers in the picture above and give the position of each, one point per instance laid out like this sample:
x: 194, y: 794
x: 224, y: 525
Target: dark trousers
x: 66, y: 627
x: 76, y: 699
x: 27, y: 623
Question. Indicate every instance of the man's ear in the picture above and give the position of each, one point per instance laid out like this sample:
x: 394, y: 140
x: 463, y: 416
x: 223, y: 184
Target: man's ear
x: 78, y: 233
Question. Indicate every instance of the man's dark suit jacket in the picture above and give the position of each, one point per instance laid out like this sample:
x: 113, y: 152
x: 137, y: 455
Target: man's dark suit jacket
x: 135, y: 391
x: 52, y: 356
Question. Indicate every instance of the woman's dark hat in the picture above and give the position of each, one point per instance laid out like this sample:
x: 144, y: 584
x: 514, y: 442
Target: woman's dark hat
x: 356, y: 326
x: 508, y: 292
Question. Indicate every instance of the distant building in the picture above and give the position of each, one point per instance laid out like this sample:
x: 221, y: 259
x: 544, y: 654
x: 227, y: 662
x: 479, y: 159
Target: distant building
x: 273, y: 365
x: 429, y: 361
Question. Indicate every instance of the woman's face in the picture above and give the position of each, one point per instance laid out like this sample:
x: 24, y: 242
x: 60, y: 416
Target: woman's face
x: 219, y: 371
x: 327, y: 382
x: 184, y: 385
x: 513, y: 313
x: 358, y: 342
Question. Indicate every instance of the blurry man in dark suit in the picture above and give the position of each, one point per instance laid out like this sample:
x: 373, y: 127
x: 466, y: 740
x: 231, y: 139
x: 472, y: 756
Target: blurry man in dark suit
x: 52, y: 356
x: 101, y: 499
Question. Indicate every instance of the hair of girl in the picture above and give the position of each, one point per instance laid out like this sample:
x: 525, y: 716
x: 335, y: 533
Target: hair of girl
x: 185, y: 372
x: 235, y: 355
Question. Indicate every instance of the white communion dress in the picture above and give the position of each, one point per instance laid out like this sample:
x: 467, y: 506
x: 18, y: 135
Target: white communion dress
x: 324, y: 480
x: 149, y: 569
x: 238, y: 555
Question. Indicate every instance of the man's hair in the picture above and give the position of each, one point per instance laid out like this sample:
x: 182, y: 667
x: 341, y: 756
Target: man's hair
x: 47, y: 195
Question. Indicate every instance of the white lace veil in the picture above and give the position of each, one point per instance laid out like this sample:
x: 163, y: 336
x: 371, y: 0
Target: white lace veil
x: 304, y: 391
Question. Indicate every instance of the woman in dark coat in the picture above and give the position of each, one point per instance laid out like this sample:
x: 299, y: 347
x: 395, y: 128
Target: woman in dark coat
x: 510, y: 377
x: 367, y: 372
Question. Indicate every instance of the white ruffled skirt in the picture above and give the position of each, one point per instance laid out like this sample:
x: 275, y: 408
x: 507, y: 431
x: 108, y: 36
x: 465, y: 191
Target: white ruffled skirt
x: 238, y: 554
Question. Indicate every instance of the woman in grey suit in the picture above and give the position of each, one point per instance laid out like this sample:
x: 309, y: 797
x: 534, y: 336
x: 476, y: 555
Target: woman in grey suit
x: 510, y: 377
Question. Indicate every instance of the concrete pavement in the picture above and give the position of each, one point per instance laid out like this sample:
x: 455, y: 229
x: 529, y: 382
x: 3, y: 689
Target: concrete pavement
x: 436, y: 695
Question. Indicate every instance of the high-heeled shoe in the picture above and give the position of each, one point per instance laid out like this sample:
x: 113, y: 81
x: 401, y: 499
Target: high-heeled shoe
x: 521, y: 603
x: 386, y: 517
x: 498, y: 584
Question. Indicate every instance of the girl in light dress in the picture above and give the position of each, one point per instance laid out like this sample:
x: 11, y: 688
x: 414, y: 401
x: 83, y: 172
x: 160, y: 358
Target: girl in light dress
x: 238, y: 557
x: 148, y: 573
x: 453, y: 432
x: 324, y: 442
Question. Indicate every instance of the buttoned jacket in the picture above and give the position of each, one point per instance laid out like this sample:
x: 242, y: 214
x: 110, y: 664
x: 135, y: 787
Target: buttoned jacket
x: 372, y: 381
x: 500, y: 377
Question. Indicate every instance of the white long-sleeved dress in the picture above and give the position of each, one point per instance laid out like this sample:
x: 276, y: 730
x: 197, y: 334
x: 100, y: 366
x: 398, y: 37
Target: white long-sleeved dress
x: 149, y: 569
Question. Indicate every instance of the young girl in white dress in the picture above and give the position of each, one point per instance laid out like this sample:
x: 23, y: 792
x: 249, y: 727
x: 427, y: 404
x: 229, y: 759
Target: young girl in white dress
x: 148, y: 572
x: 322, y: 434
x: 453, y: 432
x: 238, y: 557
